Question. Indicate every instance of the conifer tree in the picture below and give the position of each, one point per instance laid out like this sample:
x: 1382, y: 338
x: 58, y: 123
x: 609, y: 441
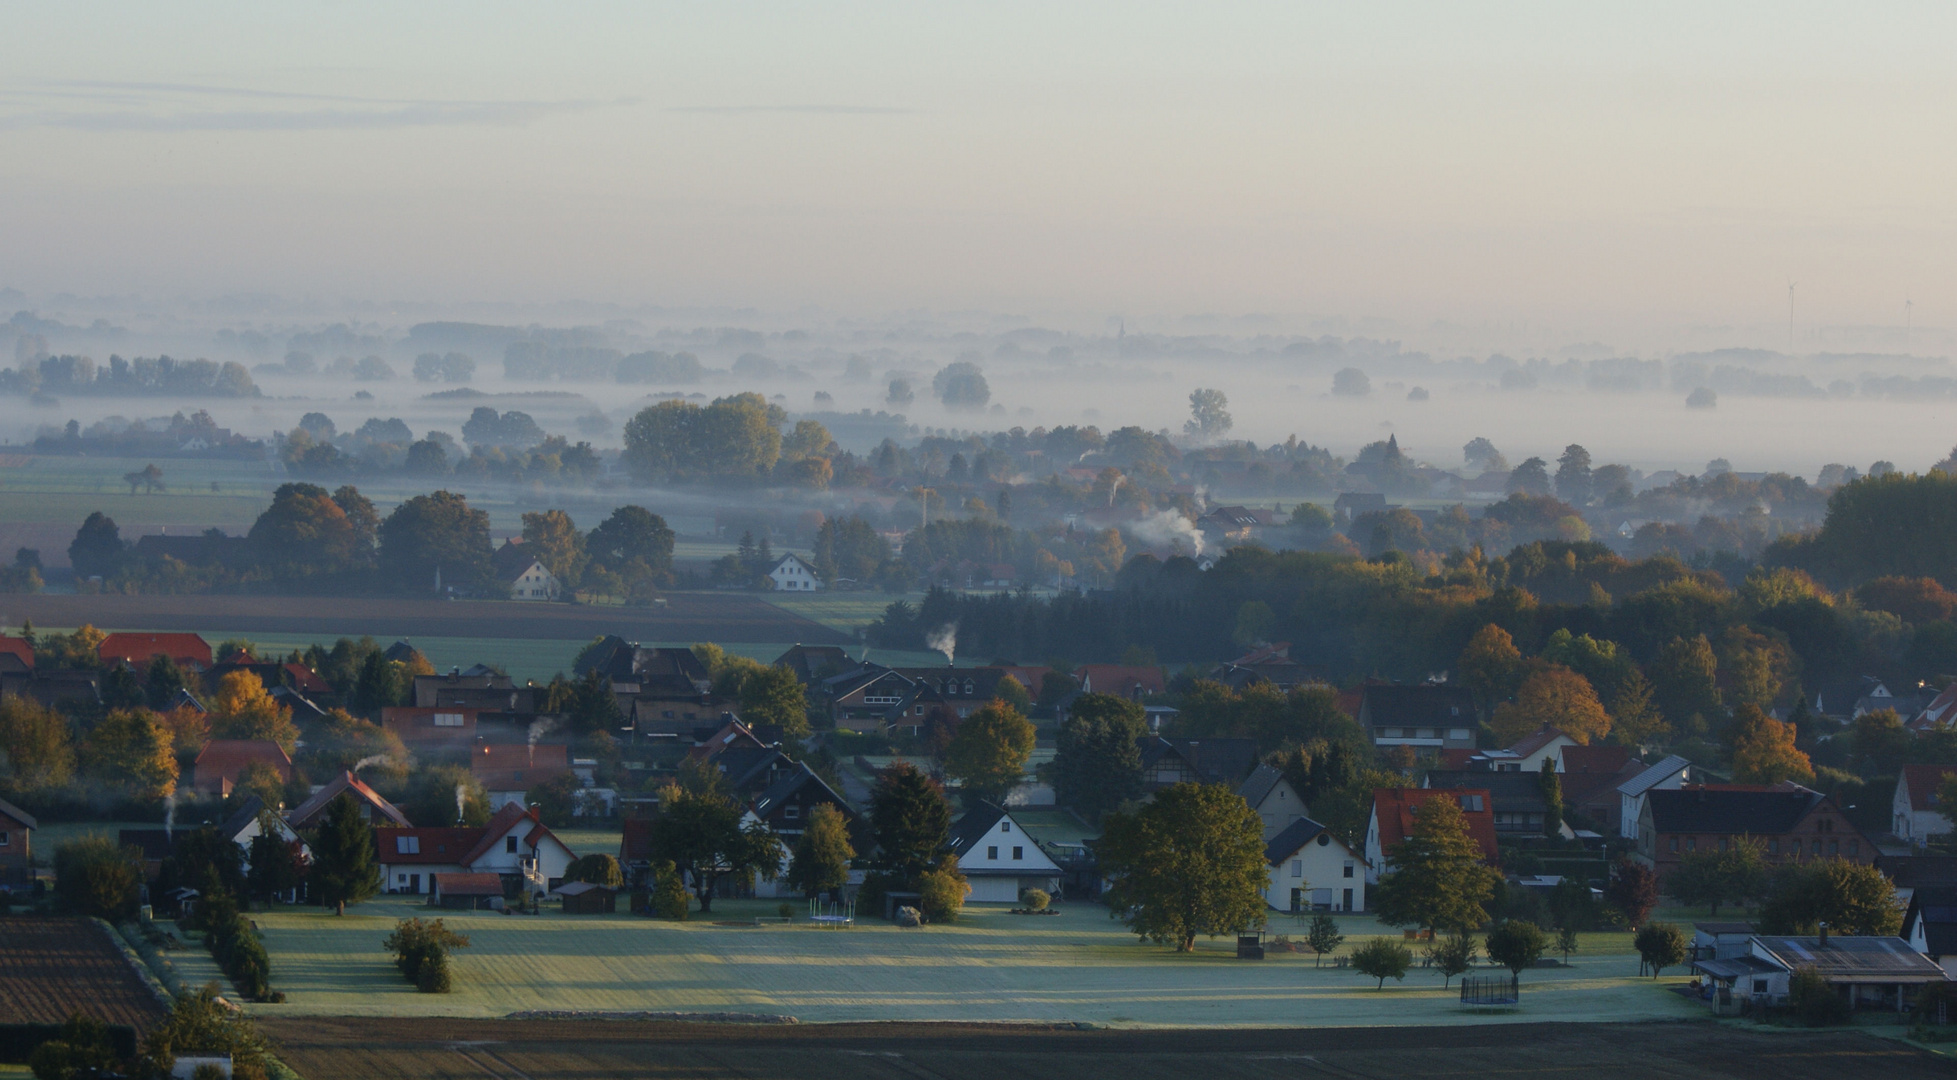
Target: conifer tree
x: 344, y: 871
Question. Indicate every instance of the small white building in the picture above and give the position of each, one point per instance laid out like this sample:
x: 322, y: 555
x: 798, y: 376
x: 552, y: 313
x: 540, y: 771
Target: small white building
x: 1668, y: 775
x: 999, y: 859
x: 1311, y: 870
x: 791, y: 574
x: 1916, y: 814
x: 1271, y: 795
x: 525, y: 577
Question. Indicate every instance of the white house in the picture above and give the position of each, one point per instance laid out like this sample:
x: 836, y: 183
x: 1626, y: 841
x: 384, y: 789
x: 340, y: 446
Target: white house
x: 1268, y: 793
x: 791, y: 574
x: 1916, y: 814
x: 523, y: 575
x: 998, y: 859
x: 1311, y: 870
x: 1668, y: 775
x: 515, y: 846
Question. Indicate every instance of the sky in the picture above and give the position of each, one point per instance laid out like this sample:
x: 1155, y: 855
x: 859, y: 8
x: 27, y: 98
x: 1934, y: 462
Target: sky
x: 1606, y: 169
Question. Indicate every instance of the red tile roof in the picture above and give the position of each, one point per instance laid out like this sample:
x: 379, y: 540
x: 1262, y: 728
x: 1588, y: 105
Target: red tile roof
x: 1394, y: 808
x: 441, y: 845
x: 306, y: 680
x: 1596, y: 758
x: 500, y: 824
x: 221, y: 760
x: 1121, y: 680
x: 732, y: 734
x: 514, y: 766
x: 139, y: 649
x: 1923, y: 782
x: 468, y: 884
x: 19, y: 647
x: 1535, y: 741
x: 303, y: 815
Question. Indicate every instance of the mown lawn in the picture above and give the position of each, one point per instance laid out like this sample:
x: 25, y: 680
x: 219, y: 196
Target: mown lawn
x: 1077, y: 966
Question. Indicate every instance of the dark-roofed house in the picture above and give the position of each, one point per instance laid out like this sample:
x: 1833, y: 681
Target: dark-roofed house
x: 187, y: 651
x: 16, y: 842
x: 1590, y: 777
x: 1869, y: 972
x: 1312, y: 870
x: 999, y: 859
x: 381, y: 814
x: 812, y: 663
x: 1668, y: 775
x: 1273, y: 797
x: 53, y: 689
x: 785, y: 808
x: 1790, y: 822
x: 444, y: 729
x: 1168, y: 761
x: 1430, y: 717
x: 1518, y: 801
x: 221, y: 762
x: 518, y: 570
x: 1911, y: 872
x: 1916, y: 811
x: 1930, y: 926
x: 1392, y: 822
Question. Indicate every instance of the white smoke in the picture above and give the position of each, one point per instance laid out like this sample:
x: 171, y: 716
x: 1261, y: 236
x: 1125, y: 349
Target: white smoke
x: 371, y: 759
x: 1114, y: 487
x: 169, y: 815
x: 945, y: 640
x: 540, y: 727
x: 459, y: 795
x: 1167, y: 528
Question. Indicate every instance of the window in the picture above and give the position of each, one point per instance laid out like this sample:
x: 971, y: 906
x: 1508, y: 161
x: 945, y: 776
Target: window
x: 1854, y: 846
x: 1457, y: 734
x: 1005, y: 826
x: 1817, y: 847
x: 1722, y: 843
x: 6, y: 839
x: 1424, y: 733
x: 1348, y: 870
x: 1691, y: 843
x: 509, y: 844
x: 1834, y: 847
x: 401, y: 877
x: 1759, y: 986
x: 407, y: 845
x: 992, y: 852
x: 1389, y: 733
x: 1674, y: 843
x: 791, y: 812
x: 1773, y: 847
x: 1297, y: 868
x: 448, y: 719
x: 1018, y: 852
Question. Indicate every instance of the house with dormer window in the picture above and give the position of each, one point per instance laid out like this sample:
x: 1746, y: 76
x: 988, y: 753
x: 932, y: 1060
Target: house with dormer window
x: 998, y: 858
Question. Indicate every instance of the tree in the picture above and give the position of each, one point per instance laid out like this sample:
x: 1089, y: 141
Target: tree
x: 1012, y: 693
x: 163, y: 682
x: 552, y: 538
x: 426, y: 458
x: 1685, y: 679
x: 97, y: 548
x: 701, y: 833
x: 304, y: 532
x: 243, y: 709
x: 1573, y: 475
x: 1207, y: 414
x: 92, y: 876
x: 35, y: 744
x: 1098, y: 764
x: 988, y: 753
x: 82, y: 1047
x: 1762, y: 749
x: 362, y: 518
x: 1351, y: 382
x: 1738, y: 873
x: 1553, y: 697
x: 1382, y: 958
x: 910, y: 822
x: 278, y: 866
x: 670, y: 900
x: 200, y: 1023
x: 1323, y: 937
x: 772, y: 695
x: 1853, y: 899
x: 734, y: 438
x: 421, y: 952
x: 436, y: 538
x: 1451, y: 955
x: 1516, y: 944
x: 941, y: 892
x: 131, y: 754
x: 1530, y: 478
x: 1437, y: 878
x: 1661, y: 945
x: 1490, y: 666
x: 344, y: 871
x: 1552, y: 796
x: 1191, y: 861
x: 1633, y: 890
x: 961, y: 385
x: 598, y: 868
x: 449, y: 794
x: 1566, y: 942
x: 555, y: 799
x: 822, y: 853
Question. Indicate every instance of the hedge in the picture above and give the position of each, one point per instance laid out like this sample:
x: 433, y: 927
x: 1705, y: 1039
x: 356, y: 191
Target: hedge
x: 19, y: 1041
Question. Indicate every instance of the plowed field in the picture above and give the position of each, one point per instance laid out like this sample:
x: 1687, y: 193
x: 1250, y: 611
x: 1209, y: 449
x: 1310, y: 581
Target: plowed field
x: 49, y: 968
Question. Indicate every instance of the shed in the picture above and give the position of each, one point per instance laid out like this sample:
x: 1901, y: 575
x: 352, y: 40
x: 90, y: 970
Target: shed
x: 586, y: 898
x: 466, y: 891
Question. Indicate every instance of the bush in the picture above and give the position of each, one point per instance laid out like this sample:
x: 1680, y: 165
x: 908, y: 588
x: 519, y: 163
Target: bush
x: 1816, y: 1004
x: 941, y: 893
x: 1515, y: 945
x: 1661, y: 945
x: 92, y: 876
x: 669, y: 896
x: 421, y: 953
x: 785, y: 910
x: 83, y: 1042
x: 1035, y: 899
x: 433, y: 976
x: 1382, y: 958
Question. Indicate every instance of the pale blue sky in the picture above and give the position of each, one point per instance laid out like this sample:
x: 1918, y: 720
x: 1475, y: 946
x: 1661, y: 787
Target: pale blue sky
x: 1595, y: 165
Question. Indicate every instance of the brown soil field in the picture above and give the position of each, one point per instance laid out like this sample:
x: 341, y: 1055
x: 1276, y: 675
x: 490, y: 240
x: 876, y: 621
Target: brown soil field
x: 49, y: 968
x: 694, y: 616
x: 622, y: 1049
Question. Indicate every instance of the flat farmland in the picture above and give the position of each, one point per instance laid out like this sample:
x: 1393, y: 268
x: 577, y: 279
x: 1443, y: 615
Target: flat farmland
x: 623, y: 1050
x: 687, y: 617
x: 991, y: 966
x: 49, y: 968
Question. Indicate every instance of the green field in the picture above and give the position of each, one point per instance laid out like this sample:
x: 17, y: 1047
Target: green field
x: 845, y: 611
x: 991, y: 966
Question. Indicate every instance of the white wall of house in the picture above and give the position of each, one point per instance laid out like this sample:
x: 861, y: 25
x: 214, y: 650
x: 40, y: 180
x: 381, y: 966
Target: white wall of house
x: 1281, y: 807
x: 1005, y: 861
x: 535, y: 583
x: 1911, y: 824
x: 1321, y: 875
x: 791, y: 574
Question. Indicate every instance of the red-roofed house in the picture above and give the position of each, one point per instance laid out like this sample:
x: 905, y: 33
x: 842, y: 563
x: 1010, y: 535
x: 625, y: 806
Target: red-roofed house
x: 1917, y: 811
x: 515, y: 845
x: 381, y: 814
x: 508, y: 770
x: 439, y: 728
x: 187, y: 651
x: 1392, y: 822
x: 1941, y: 710
x: 732, y: 734
x: 221, y: 760
x: 15, y: 654
x: 1130, y: 681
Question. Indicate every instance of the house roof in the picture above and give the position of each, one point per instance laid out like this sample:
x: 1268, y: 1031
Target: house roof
x: 729, y: 735
x: 134, y: 649
x: 513, y: 560
x: 468, y: 884
x: 246, y: 813
x: 19, y: 647
x: 1919, y: 871
x: 1923, y: 782
x: 790, y: 783
x: 15, y: 812
x: 809, y: 661
x: 503, y: 822
x: 789, y: 557
x: 1423, y: 705
x: 1276, y: 655
x: 1942, y: 709
x: 228, y: 757
x: 1596, y: 758
x: 1120, y: 679
x: 1535, y: 741
x: 1292, y: 837
x: 1393, y: 808
x: 1936, y: 910
x: 1510, y: 790
x: 1655, y: 775
x: 155, y: 844
x: 508, y: 766
x: 1216, y: 761
x: 1842, y: 959
x: 1257, y: 786
x: 579, y: 888
x: 346, y: 781
x: 1720, y: 810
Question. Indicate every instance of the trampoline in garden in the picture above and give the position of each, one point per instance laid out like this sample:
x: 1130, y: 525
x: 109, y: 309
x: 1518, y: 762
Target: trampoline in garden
x: 1490, y: 990
x: 832, y: 915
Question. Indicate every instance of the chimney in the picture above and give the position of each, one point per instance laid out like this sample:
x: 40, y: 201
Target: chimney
x: 1824, y: 933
